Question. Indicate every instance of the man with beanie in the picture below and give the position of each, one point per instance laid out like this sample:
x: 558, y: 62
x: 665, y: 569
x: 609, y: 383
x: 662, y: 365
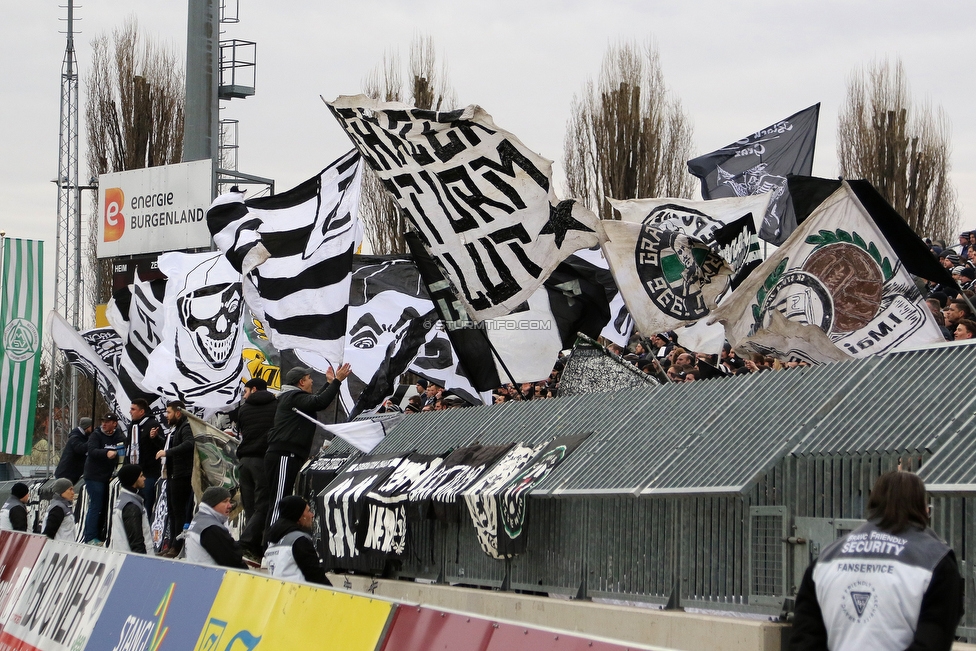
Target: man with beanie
x: 59, y: 522
x: 254, y: 417
x: 178, y: 452
x: 130, y: 520
x: 145, y: 440
x: 104, y: 447
x: 72, y: 462
x: 208, y: 539
x: 291, y: 553
x: 290, y: 438
x: 13, y: 513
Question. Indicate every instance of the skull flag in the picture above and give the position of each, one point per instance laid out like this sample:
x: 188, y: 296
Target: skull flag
x: 481, y: 201
x: 760, y: 163
x: 840, y: 287
x: 295, y: 250
x: 199, y: 357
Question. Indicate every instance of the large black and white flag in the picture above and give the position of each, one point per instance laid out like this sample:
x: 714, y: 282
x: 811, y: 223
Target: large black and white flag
x: 295, y: 251
x: 840, y: 287
x: 480, y: 495
x: 621, y: 325
x: 342, y: 505
x: 512, y: 521
x: 198, y: 360
x: 392, y: 328
x: 442, y: 488
x: 80, y: 354
x: 385, y: 528
x: 481, y: 201
x: 760, y: 163
x: 522, y: 346
x: 136, y: 314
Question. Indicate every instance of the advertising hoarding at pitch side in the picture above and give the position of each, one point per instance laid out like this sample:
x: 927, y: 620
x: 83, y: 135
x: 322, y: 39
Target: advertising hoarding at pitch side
x: 154, y: 209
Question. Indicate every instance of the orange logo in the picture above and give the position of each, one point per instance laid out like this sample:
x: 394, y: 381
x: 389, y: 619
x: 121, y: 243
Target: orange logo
x: 114, y: 219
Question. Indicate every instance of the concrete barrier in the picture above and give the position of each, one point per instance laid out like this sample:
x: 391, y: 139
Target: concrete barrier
x: 671, y: 629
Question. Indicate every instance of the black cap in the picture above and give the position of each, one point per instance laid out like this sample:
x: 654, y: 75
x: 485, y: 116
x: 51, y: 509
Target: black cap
x: 129, y: 474
x: 110, y: 416
x: 19, y: 490
x: 291, y: 507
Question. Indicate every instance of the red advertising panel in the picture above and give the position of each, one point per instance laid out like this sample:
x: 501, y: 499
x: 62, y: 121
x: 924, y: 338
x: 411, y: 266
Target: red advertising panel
x: 421, y: 629
x: 511, y: 637
x: 18, y: 552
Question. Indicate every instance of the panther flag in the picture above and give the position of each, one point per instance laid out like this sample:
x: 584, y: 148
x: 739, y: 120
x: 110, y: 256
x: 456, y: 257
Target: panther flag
x: 760, y: 163
x: 198, y: 360
x: 840, y: 287
x: 481, y: 201
x: 20, y: 341
x: 295, y: 251
x: 392, y: 328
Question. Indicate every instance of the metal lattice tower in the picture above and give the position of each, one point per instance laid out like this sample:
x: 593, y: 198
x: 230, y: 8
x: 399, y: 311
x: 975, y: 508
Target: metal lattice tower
x: 67, y: 247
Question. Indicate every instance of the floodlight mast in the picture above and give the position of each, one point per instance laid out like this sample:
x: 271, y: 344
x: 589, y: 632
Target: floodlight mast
x: 63, y: 404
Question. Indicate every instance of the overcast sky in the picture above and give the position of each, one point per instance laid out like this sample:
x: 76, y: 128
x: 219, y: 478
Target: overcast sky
x: 735, y: 66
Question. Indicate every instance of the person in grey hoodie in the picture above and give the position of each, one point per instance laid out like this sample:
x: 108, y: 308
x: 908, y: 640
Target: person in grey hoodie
x: 208, y: 539
x: 59, y: 522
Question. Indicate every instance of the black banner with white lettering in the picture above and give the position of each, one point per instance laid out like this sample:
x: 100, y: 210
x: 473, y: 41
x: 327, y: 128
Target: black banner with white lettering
x: 760, y: 163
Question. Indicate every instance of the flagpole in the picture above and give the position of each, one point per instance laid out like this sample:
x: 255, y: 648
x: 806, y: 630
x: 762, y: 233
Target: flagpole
x: 502, y: 362
x: 310, y: 419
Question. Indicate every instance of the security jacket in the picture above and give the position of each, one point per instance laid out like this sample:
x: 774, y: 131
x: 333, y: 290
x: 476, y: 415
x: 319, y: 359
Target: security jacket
x: 875, y: 590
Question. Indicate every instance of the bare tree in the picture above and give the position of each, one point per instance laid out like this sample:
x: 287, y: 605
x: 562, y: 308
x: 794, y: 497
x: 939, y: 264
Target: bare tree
x: 900, y: 146
x: 427, y: 88
x: 627, y: 136
x: 133, y: 117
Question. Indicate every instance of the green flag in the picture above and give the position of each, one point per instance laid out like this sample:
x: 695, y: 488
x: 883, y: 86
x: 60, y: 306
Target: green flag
x: 20, y: 341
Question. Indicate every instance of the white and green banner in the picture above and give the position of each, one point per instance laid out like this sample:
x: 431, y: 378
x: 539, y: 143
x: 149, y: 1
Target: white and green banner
x: 20, y: 341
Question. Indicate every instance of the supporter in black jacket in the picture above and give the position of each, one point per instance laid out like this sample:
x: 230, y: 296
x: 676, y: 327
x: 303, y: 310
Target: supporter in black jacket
x: 72, y: 463
x: 291, y: 553
x: 255, y: 417
x: 104, y: 447
x: 290, y: 439
x: 178, y: 452
x: 145, y: 440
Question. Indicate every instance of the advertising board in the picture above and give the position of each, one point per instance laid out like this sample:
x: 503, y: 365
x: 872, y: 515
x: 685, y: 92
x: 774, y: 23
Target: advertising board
x: 154, y: 209
x: 156, y: 605
x: 64, y: 595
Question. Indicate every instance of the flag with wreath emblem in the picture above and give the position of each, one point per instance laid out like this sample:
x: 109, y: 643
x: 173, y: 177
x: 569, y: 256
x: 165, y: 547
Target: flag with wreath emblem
x: 840, y: 287
x: 20, y: 341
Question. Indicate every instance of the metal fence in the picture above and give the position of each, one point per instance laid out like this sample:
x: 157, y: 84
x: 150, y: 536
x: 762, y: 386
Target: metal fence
x: 650, y: 510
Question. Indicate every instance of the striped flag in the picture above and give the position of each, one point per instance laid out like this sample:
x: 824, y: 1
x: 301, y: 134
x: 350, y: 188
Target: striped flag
x: 295, y: 251
x: 20, y: 343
